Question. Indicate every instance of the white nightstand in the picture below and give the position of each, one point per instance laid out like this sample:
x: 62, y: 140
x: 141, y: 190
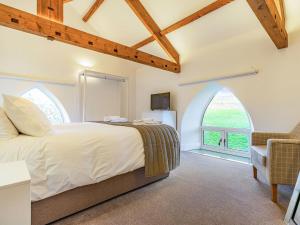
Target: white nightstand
x: 15, y: 204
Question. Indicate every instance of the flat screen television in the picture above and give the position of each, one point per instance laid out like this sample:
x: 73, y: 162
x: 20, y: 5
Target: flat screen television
x: 160, y: 101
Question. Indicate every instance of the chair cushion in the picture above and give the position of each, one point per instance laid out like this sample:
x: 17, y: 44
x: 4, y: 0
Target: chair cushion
x: 259, y: 154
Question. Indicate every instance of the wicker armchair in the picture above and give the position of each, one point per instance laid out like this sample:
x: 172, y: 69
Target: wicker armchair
x: 277, y: 157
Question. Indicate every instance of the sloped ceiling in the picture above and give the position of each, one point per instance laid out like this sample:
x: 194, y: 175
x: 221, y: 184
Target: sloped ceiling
x: 114, y: 20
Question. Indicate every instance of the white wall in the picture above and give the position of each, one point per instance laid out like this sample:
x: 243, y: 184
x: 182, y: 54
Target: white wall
x: 271, y: 97
x: 151, y: 81
x: 192, y: 117
x: 104, y: 97
x: 111, y: 95
x: 68, y: 95
x: 27, y: 55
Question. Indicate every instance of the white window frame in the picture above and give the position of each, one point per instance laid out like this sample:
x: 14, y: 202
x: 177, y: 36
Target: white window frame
x: 223, y: 148
x: 224, y: 134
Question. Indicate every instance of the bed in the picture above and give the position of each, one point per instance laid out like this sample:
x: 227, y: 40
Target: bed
x: 82, y: 164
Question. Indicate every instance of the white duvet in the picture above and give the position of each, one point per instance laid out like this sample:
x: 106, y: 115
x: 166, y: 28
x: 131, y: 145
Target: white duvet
x: 75, y: 155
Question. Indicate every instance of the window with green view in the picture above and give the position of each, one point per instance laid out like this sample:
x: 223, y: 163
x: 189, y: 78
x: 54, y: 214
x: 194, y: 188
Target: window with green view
x: 226, y: 111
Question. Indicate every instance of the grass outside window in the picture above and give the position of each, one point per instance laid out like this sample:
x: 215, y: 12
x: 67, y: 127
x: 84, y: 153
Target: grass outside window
x: 225, y: 111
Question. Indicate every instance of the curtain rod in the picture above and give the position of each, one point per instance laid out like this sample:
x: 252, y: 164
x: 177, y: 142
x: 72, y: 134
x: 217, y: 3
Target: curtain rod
x: 105, y: 76
x: 250, y: 73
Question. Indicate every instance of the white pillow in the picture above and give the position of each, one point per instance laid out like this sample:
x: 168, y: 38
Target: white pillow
x: 7, y: 129
x: 26, y: 116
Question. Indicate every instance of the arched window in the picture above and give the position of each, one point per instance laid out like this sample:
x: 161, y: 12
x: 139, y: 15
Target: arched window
x: 225, y: 110
x: 52, y: 109
x: 226, y: 125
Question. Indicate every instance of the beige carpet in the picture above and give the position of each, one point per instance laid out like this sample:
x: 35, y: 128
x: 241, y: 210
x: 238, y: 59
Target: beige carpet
x: 203, y: 191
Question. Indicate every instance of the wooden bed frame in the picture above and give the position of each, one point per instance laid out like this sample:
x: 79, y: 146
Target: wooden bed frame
x: 67, y: 203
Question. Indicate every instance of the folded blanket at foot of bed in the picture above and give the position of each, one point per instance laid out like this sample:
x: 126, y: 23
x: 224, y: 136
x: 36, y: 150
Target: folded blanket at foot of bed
x: 161, y: 146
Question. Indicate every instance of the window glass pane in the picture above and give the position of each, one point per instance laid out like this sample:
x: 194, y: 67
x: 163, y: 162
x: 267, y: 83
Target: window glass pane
x: 226, y: 111
x: 45, y: 104
x: 238, y: 141
x: 212, y: 138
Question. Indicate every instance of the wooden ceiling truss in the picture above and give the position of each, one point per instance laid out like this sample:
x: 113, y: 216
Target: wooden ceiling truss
x: 153, y: 28
x: 49, y: 23
x: 53, y: 30
x: 271, y: 15
x: 92, y: 10
x: 189, y: 19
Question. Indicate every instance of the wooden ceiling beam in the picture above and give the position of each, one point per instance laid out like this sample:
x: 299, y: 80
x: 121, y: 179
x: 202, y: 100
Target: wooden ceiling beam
x: 153, y: 28
x: 143, y: 42
x: 268, y: 14
x: 29, y: 23
x: 92, y: 10
x: 189, y: 19
x: 282, y: 10
x: 51, y: 9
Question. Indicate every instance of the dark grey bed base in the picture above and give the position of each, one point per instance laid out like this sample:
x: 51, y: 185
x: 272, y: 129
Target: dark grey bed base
x: 56, y: 207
